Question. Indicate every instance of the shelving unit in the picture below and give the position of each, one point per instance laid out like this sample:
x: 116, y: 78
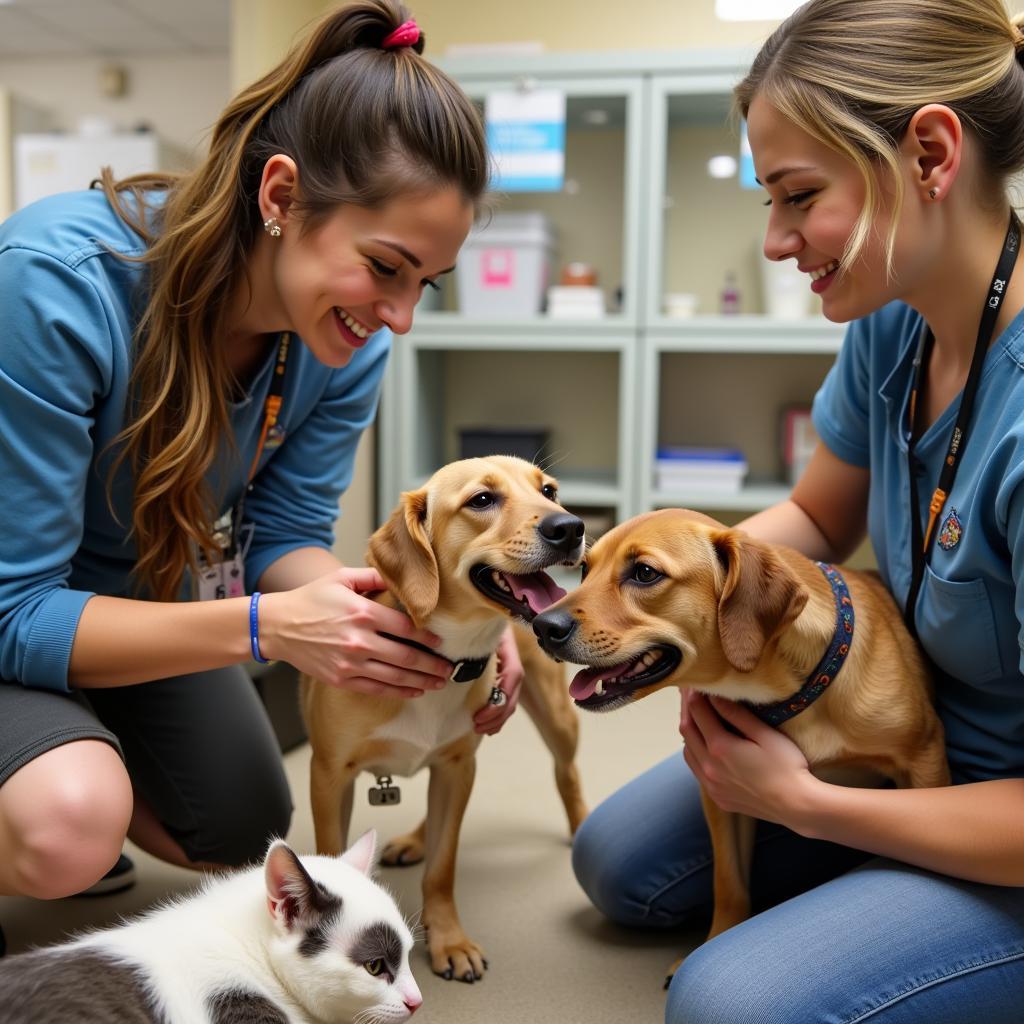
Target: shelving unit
x: 639, y: 207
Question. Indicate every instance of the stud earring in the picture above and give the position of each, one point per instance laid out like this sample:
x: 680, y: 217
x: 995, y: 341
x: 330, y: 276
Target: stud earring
x: 933, y: 193
x: 272, y: 228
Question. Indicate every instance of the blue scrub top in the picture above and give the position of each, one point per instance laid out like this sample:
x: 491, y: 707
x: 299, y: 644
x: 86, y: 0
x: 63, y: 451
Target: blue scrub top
x: 69, y: 310
x: 971, y: 604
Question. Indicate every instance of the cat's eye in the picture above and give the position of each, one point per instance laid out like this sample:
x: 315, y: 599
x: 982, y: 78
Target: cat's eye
x: 374, y: 967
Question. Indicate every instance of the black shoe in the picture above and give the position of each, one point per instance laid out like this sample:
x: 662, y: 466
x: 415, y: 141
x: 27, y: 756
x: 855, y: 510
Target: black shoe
x: 120, y: 877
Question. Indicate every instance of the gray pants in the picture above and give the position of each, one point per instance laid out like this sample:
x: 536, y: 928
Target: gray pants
x: 199, y: 748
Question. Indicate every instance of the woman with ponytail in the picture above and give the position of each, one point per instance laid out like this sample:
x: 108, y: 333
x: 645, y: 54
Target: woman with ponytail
x: 887, y: 135
x: 186, y: 366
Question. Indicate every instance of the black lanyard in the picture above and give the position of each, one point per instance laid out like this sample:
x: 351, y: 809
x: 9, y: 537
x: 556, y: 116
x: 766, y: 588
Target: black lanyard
x: 920, y: 544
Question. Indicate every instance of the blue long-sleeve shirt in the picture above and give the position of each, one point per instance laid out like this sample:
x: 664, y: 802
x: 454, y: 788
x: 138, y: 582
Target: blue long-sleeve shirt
x: 68, y: 308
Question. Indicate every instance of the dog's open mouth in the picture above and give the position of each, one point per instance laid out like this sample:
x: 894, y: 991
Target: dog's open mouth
x: 609, y: 687
x: 523, y: 595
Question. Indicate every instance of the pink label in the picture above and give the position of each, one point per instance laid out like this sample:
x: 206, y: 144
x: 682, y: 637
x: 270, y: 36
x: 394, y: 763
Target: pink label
x: 497, y: 267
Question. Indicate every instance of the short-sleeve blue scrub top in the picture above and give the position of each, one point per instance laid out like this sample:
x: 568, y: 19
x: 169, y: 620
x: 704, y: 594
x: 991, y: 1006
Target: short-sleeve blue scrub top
x: 971, y: 605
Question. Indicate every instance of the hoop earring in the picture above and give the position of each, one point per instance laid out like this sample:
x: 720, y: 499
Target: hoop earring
x: 272, y: 228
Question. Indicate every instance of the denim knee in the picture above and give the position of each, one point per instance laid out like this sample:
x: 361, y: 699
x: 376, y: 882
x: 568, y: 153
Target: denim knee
x: 716, y: 985
x: 607, y: 873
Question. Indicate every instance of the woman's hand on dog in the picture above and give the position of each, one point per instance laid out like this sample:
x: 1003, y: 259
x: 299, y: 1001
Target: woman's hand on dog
x: 744, y: 765
x: 490, y: 718
x: 330, y: 630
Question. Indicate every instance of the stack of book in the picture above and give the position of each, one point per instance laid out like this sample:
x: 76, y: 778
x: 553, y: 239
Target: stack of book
x: 704, y: 470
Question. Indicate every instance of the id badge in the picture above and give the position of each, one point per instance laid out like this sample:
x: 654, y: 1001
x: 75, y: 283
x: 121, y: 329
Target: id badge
x: 225, y: 576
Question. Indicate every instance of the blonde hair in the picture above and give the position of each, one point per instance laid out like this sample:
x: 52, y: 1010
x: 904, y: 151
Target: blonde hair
x: 852, y: 73
x: 363, y: 125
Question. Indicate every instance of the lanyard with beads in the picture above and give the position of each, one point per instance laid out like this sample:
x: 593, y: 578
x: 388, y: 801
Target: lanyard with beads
x: 272, y: 406
x: 224, y: 575
x: 921, y: 542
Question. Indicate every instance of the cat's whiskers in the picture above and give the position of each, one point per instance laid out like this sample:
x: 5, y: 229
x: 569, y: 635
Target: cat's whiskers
x: 415, y: 926
x: 367, y: 1017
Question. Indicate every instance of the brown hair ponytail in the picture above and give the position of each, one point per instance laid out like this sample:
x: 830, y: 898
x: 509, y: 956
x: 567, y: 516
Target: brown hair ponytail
x: 363, y: 125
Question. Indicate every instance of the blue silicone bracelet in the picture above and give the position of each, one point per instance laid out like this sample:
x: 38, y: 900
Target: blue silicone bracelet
x: 254, y: 628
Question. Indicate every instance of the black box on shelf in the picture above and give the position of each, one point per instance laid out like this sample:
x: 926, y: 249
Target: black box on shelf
x: 530, y: 443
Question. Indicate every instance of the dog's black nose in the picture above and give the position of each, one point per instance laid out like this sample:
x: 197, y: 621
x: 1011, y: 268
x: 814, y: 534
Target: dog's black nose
x: 554, y: 628
x: 562, y: 531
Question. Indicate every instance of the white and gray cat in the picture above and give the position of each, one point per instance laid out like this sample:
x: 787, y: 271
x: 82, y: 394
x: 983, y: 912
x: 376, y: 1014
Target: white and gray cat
x: 314, y: 941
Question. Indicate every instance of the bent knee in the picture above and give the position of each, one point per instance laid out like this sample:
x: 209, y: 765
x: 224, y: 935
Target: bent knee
x: 716, y: 985
x: 608, y: 876
x: 64, y: 830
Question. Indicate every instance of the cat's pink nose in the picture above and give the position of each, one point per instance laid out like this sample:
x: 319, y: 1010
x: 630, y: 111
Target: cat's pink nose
x: 412, y: 1005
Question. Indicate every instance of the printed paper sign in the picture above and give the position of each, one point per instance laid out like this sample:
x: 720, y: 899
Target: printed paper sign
x: 526, y: 136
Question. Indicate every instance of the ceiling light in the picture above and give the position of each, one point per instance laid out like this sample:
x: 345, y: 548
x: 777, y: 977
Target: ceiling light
x: 755, y: 10
x: 722, y: 166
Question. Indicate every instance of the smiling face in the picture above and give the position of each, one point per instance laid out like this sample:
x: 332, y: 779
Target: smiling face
x: 361, y: 269
x: 816, y: 197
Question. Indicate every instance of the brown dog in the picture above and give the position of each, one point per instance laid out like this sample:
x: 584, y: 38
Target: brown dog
x: 672, y: 598
x: 460, y: 556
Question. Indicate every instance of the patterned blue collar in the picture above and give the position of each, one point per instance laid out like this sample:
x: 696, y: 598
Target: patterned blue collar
x: 827, y: 669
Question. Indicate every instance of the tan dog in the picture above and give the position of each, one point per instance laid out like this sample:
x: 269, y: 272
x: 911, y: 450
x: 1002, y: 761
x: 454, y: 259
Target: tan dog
x: 672, y: 598
x: 460, y: 556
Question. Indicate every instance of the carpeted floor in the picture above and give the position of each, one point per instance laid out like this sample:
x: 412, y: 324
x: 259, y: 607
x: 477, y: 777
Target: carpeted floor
x: 553, y: 958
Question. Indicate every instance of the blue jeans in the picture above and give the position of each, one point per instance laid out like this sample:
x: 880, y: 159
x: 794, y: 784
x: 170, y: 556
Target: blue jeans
x: 839, y: 937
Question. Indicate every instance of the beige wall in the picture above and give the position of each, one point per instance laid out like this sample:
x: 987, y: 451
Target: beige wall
x: 180, y: 96
x: 581, y: 24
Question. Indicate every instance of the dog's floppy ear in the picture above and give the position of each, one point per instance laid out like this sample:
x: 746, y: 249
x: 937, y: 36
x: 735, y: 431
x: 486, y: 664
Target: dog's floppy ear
x: 400, y: 551
x: 760, y: 598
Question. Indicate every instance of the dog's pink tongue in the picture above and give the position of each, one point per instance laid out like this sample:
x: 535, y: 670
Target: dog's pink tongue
x: 539, y: 589
x: 585, y: 682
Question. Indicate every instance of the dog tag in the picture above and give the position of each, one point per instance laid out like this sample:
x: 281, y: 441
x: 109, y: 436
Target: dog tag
x: 385, y: 793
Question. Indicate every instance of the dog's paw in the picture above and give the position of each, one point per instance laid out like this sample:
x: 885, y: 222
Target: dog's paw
x: 402, y: 851
x: 456, y: 957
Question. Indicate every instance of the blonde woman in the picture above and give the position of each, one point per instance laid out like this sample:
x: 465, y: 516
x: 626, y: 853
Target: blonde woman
x: 885, y: 133
x: 186, y: 366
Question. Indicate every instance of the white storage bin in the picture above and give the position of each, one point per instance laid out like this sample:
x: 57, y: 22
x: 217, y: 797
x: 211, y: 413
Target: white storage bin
x: 504, y: 266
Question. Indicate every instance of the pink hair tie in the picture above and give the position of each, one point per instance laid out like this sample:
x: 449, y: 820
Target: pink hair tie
x: 407, y: 34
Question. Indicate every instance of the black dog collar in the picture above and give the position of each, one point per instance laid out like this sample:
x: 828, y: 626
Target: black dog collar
x: 464, y: 670
x: 827, y: 669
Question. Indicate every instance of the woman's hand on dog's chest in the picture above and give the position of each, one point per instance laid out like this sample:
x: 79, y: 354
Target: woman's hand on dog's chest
x: 749, y: 768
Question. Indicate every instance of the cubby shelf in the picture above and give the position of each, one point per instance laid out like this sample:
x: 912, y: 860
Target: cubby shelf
x: 602, y: 385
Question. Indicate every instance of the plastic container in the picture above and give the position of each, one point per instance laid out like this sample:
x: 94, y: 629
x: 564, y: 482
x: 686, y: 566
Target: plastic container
x: 505, y: 265
x: 680, y: 305
x: 729, y: 298
x: 787, y: 291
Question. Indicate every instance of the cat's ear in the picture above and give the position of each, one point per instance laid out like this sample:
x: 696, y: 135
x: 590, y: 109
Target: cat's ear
x: 362, y: 854
x: 293, y: 897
